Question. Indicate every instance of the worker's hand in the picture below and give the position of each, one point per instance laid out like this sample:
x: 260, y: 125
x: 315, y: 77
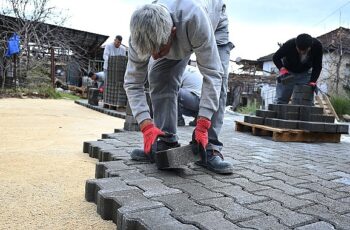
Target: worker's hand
x: 201, y: 131
x: 283, y: 71
x: 313, y: 86
x: 150, y: 135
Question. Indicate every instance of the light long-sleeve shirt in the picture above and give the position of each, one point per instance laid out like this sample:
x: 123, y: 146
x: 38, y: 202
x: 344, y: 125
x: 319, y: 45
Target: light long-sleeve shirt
x: 111, y: 50
x: 200, y: 27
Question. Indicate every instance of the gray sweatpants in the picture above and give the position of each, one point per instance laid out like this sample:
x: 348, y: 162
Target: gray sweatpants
x: 164, y: 78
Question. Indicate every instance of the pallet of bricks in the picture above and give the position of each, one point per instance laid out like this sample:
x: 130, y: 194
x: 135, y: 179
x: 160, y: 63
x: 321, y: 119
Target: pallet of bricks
x: 114, y: 96
x: 294, y: 123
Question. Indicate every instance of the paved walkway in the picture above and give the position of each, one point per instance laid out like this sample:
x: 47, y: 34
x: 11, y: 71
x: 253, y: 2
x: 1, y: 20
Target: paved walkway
x: 274, y: 186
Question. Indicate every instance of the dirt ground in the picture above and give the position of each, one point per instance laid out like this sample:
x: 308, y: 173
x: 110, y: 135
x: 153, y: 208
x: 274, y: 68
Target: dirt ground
x: 42, y: 167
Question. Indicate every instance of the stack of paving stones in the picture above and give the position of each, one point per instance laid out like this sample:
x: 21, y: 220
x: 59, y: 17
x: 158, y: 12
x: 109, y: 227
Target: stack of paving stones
x: 101, y: 109
x: 309, y: 118
x: 303, y: 95
x: 93, y: 94
x: 282, y: 186
x: 114, y: 93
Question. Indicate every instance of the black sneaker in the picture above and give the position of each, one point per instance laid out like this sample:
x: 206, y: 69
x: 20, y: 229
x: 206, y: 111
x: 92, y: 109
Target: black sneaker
x: 139, y: 154
x: 216, y: 163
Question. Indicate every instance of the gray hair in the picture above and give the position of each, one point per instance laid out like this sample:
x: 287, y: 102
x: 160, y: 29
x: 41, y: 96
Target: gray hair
x: 150, y: 28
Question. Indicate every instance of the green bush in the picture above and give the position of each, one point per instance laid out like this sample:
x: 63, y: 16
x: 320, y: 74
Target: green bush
x: 249, y: 109
x: 340, y: 104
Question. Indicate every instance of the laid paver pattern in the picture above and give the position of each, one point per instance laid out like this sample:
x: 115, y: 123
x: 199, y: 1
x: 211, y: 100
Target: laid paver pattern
x: 275, y: 185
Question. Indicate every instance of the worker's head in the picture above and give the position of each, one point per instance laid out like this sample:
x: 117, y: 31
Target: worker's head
x: 152, y: 30
x: 303, y: 43
x: 118, y: 41
x: 92, y: 75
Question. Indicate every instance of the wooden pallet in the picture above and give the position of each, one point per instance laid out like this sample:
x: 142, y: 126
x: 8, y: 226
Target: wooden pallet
x: 322, y: 100
x: 114, y: 107
x: 287, y: 135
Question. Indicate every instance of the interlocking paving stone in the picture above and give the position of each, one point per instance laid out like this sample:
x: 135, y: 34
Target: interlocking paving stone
x: 159, y: 219
x: 246, y: 184
x: 113, y: 205
x: 153, y: 187
x: 234, y: 211
x: 255, y: 177
x: 264, y: 223
x: 239, y: 195
x: 102, y: 168
x: 208, y: 181
x: 331, y: 193
x: 286, y: 200
x: 288, y: 189
x: 317, y: 226
x: 286, y: 178
x: 197, y: 191
x: 320, y: 211
x: 111, y: 184
x: 287, y: 216
x: 210, y: 220
x: 181, y: 205
x: 333, y: 205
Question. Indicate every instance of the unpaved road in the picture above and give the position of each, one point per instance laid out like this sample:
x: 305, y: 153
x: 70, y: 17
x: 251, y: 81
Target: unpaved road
x: 42, y: 167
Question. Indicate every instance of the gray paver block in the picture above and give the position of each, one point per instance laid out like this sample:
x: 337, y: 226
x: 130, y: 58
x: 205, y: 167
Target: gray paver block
x: 322, y: 118
x: 233, y: 211
x: 287, y: 216
x: 252, y: 176
x: 254, y: 120
x: 281, y: 185
x: 176, y: 157
x: 112, y: 184
x: 264, y: 223
x: 312, y: 126
x: 308, y: 110
x: 343, y: 129
x: 292, y: 116
x: 330, y: 128
x: 321, y: 225
x: 111, y: 205
x: 153, y: 187
x: 332, y: 204
x: 210, y: 220
x: 170, y: 177
x: 181, y: 205
x: 246, y: 184
x: 159, y: 219
x: 208, y: 181
x: 287, y: 201
x: 288, y: 124
x: 102, y: 168
x: 292, y: 180
x: 239, y: 195
x: 331, y: 193
x: 273, y: 107
x: 197, y: 191
x: 322, y: 212
x: 266, y: 113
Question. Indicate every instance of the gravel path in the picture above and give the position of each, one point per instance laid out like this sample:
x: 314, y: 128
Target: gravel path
x: 42, y: 167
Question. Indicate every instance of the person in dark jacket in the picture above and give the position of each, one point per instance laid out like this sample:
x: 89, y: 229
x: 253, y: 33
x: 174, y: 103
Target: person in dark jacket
x: 300, y: 57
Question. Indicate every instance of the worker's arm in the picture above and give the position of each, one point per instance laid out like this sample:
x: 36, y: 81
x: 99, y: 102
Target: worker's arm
x: 134, y: 80
x: 202, y: 39
x: 281, y: 53
x: 317, y: 61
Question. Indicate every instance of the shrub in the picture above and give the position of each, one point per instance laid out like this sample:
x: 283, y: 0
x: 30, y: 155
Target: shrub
x: 340, y: 104
x: 249, y: 109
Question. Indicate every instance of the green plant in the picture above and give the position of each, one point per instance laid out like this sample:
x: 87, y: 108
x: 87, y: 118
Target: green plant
x: 340, y: 104
x: 249, y: 109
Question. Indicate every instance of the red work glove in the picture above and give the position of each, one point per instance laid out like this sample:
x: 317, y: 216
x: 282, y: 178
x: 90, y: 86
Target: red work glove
x: 313, y: 86
x: 201, y: 131
x: 101, y: 90
x: 283, y: 71
x: 150, y: 135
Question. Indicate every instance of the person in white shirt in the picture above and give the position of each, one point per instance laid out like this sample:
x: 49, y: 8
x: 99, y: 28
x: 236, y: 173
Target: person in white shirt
x: 113, y: 49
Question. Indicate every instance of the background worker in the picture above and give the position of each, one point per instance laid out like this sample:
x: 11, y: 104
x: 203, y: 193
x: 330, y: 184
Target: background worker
x: 189, y: 95
x: 113, y: 49
x: 98, y: 78
x: 297, y: 57
x: 170, y: 33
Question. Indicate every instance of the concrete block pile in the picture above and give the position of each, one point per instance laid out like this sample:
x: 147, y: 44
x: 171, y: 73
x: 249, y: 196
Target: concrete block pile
x: 302, y: 117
